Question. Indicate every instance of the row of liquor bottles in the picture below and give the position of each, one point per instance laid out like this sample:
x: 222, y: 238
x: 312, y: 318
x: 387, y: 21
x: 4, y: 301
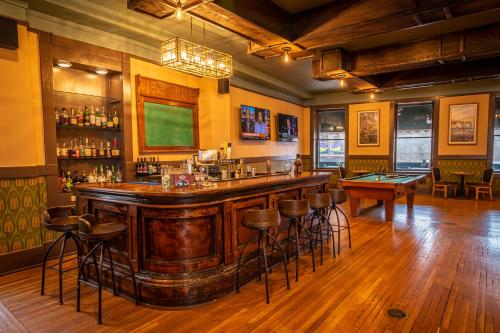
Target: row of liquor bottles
x: 82, y: 148
x: 99, y: 174
x: 148, y: 166
x: 88, y: 117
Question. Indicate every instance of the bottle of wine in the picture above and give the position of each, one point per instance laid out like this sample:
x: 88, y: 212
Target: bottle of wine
x: 110, y: 120
x: 92, y: 116
x: 65, y: 117
x: 116, y: 119
x: 297, y: 165
x: 72, y: 120
x: 104, y: 120
x: 79, y: 117
x: 115, y: 152
x: 86, y: 117
x: 97, y: 117
x: 93, y: 148
x: 82, y: 148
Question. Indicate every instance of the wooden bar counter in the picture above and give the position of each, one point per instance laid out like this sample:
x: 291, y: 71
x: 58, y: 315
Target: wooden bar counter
x: 184, y: 242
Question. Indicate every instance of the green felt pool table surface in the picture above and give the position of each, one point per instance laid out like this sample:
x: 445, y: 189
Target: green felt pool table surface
x: 384, y: 179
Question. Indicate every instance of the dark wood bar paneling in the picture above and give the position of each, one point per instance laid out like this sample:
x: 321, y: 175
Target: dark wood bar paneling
x: 184, y: 242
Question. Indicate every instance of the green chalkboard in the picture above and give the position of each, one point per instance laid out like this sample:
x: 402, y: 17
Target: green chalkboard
x: 168, y: 125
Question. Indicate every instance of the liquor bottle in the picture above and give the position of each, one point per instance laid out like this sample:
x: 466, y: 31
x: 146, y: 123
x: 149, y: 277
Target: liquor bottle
x: 88, y: 149
x: 101, y: 177
x: 108, y: 149
x: 110, y: 120
x: 93, y: 148
x: 82, y: 148
x: 64, y: 150
x: 100, y: 153
x: 58, y: 117
x: 76, y: 179
x: 84, y: 178
x: 61, y: 180
x: 97, y: 117
x: 104, y: 120
x: 65, y: 117
x: 86, y: 117
x: 115, y: 152
x: 116, y: 120
x: 153, y: 166
x: 79, y: 117
x: 113, y: 174
x: 297, y: 165
x: 119, y: 176
x: 72, y: 120
x: 137, y: 167
x: 69, y: 182
x: 108, y: 174
x: 92, y: 176
x: 70, y: 150
x: 150, y: 167
x: 58, y: 150
x: 92, y: 116
x: 158, y: 165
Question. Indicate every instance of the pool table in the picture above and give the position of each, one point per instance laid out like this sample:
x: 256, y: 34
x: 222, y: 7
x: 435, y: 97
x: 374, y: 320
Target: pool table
x: 384, y: 188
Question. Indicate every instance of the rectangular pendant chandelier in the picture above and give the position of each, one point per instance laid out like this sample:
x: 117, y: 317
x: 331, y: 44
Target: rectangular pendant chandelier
x: 196, y: 59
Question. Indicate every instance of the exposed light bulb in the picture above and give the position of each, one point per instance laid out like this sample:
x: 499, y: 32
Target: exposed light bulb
x: 287, y: 57
x: 372, y: 95
x: 342, y: 82
x: 178, y: 10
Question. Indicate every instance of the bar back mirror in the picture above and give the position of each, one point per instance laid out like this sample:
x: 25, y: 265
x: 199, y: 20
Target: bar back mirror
x: 167, y: 116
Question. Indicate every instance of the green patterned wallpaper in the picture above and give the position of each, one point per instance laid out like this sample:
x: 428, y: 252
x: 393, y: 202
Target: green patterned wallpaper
x: 476, y: 167
x: 22, y: 201
x: 372, y: 165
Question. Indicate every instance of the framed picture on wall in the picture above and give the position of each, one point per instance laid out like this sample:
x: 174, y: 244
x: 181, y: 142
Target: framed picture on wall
x: 369, y: 128
x: 463, y: 124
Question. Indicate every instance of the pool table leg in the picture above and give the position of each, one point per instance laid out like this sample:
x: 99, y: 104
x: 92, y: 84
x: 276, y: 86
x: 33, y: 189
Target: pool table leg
x: 410, y: 199
x: 354, y: 203
x: 380, y: 202
x: 389, y: 209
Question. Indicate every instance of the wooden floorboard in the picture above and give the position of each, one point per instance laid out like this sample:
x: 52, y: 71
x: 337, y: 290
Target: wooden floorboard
x: 439, y: 263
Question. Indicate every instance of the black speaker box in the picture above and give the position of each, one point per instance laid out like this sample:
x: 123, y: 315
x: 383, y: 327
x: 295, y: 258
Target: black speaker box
x: 223, y: 86
x: 8, y: 35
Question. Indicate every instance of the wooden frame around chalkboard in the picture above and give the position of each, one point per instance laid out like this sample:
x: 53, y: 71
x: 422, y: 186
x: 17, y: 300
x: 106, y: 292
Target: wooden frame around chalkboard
x: 161, y: 92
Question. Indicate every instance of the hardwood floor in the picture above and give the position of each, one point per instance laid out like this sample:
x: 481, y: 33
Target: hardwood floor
x: 439, y: 263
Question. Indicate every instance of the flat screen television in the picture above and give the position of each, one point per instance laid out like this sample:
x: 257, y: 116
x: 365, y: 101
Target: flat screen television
x: 288, y: 129
x: 255, y: 123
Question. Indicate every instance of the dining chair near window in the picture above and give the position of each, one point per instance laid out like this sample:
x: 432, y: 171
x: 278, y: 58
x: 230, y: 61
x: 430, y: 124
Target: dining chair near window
x: 484, y: 187
x: 438, y: 185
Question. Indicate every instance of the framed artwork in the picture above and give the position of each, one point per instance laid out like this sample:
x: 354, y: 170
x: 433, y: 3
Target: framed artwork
x: 369, y: 128
x: 167, y: 116
x: 463, y: 124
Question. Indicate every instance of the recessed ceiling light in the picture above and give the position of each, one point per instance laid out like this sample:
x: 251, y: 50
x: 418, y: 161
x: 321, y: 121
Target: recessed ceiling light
x: 101, y: 71
x: 63, y: 63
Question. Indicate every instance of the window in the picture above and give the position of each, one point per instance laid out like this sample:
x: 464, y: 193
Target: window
x: 496, y: 138
x: 330, y: 144
x: 413, y: 136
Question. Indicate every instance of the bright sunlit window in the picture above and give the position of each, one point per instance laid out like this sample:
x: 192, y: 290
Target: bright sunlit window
x: 330, y: 144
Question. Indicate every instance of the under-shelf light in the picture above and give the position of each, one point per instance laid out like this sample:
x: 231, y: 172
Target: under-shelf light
x: 63, y: 63
x: 101, y: 71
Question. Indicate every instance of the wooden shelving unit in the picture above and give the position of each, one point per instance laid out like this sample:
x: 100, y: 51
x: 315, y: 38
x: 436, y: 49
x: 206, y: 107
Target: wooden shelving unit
x: 80, y: 86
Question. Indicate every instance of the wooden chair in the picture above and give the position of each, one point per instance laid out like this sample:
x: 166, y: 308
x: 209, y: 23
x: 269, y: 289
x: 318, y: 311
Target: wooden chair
x: 439, y: 185
x: 485, y: 187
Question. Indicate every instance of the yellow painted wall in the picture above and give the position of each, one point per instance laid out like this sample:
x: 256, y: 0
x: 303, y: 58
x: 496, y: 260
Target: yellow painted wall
x: 213, y: 123
x: 249, y: 148
x: 480, y: 148
x: 21, y: 125
x: 219, y: 115
x: 386, y: 124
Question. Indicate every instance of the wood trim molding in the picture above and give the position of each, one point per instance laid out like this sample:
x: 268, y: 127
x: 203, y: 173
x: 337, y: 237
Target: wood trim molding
x: 369, y: 157
x: 28, y: 171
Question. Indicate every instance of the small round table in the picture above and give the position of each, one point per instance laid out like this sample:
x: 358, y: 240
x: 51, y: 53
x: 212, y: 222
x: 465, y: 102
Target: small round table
x: 461, y: 184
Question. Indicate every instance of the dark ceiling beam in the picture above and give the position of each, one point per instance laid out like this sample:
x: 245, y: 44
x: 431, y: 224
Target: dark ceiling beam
x: 459, y: 46
x: 448, y: 73
x: 340, y: 22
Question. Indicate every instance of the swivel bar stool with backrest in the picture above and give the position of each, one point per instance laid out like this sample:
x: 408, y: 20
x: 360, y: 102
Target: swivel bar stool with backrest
x: 296, y: 210
x: 99, y: 237
x: 339, y: 196
x: 320, y: 204
x: 261, y: 221
x: 61, y: 220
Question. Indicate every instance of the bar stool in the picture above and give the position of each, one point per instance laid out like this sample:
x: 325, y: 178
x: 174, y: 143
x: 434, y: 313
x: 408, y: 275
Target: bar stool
x: 339, y: 196
x: 62, y: 220
x: 320, y: 203
x: 99, y: 237
x: 261, y: 221
x: 296, y: 210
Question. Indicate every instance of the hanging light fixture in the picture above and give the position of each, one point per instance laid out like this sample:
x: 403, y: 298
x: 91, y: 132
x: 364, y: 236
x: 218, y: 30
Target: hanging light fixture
x: 287, y: 57
x: 189, y: 57
x: 178, y: 10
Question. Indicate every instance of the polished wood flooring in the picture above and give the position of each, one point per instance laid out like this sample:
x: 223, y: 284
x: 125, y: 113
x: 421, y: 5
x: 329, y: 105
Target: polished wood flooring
x: 439, y: 263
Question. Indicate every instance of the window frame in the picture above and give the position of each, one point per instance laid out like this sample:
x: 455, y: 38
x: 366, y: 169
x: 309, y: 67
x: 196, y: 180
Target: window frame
x: 434, y: 130
x: 495, y: 104
x: 314, y: 144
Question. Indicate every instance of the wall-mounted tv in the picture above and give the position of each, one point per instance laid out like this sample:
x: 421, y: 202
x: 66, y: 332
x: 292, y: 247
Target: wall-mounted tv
x: 288, y: 129
x: 255, y: 123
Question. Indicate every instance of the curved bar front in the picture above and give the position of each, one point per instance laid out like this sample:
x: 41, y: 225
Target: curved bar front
x: 184, y: 242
